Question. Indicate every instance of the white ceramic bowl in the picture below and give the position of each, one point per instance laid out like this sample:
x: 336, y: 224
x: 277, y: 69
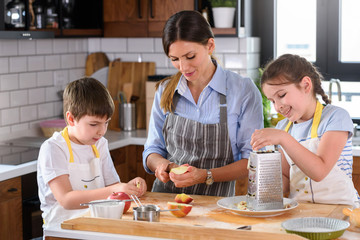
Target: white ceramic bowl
x: 107, y: 209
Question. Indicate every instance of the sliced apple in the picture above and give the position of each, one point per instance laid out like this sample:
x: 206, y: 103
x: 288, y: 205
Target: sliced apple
x: 183, y: 198
x: 180, y: 170
x: 184, y: 209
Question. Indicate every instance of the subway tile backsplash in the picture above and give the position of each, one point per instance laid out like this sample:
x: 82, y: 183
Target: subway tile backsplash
x: 33, y: 72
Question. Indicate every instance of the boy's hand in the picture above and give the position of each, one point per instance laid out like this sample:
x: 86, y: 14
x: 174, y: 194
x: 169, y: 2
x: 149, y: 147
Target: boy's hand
x: 140, y: 185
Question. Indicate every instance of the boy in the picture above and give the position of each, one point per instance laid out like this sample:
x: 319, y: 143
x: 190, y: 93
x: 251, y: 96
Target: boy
x: 74, y: 166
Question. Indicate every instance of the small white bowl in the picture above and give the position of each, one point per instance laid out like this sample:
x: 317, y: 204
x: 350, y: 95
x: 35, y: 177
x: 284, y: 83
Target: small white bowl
x: 107, y: 209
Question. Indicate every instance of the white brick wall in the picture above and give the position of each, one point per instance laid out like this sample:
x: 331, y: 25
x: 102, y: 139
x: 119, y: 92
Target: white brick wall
x: 32, y: 72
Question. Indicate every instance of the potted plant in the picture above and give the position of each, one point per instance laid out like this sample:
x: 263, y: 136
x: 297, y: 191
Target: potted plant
x: 265, y: 102
x: 223, y: 12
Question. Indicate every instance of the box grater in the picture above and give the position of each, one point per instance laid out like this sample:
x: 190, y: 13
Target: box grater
x: 265, y: 191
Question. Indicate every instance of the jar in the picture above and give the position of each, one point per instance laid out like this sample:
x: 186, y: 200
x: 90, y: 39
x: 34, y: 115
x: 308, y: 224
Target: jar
x: 52, y: 21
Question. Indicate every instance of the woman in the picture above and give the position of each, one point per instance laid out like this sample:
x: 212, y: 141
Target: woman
x: 202, y: 116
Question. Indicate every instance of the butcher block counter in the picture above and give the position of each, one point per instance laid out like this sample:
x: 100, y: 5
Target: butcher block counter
x: 205, y: 221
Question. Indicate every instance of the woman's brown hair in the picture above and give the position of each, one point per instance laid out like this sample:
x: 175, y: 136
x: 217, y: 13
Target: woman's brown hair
x: 294, y: 68
x: 188, y: 26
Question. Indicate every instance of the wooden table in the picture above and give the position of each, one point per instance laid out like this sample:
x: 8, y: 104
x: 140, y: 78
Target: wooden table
x: 205, y: 221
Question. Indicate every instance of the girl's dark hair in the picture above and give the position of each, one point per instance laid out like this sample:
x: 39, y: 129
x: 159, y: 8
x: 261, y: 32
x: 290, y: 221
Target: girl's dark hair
x: 87, y: 96
x: 293, y: 68
x: 188, y: 26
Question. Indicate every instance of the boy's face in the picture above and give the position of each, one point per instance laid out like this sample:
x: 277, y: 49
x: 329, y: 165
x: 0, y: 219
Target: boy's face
x: 88, y: 129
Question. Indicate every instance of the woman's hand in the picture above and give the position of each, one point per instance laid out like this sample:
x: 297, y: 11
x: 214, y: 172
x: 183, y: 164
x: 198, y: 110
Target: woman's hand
x: 266, y: 136
x: 162, y: 171
x: 191, y: 177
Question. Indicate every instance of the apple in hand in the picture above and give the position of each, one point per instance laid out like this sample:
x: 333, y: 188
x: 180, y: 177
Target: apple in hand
x: 121, y: 196
x: 184, y: 209
x: 183, y: 198
x: 181, y: 169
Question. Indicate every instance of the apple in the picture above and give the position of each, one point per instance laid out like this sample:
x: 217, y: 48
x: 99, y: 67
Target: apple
x: 183, y: 198
x: 180, y: 170
x: 121, y: 196
x: 184, y: 209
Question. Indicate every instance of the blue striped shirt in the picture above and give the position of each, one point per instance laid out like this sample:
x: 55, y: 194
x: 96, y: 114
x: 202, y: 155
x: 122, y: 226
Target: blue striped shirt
x: 244, y: 111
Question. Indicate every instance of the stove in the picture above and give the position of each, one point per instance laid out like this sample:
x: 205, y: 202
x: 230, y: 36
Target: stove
x: 15, y: 155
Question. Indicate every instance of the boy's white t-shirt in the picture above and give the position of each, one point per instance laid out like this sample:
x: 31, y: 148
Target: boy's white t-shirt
x: 53, y: 162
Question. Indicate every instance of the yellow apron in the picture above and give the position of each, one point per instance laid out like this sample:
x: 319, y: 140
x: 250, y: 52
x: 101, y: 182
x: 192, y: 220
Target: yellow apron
x: 84, y: 176
x: 335, y: 188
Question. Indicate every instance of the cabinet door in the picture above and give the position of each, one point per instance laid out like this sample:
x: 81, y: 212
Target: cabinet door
x: 160, y: 11
x: 11, y: 209
x: 125, y: 18
x: 356, y: 173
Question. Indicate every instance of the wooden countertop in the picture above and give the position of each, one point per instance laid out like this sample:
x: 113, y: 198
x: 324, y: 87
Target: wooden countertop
x: 205, y: 221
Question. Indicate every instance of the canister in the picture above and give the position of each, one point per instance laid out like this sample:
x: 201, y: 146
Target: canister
x: 127, y: 116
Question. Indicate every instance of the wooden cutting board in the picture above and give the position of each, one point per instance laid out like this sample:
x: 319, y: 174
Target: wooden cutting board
x: 94, y: 62
x: 130, y: 72
x: 205, y: 221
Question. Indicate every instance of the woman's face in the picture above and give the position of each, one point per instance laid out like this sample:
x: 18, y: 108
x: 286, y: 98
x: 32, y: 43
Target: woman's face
x: 192, y: 59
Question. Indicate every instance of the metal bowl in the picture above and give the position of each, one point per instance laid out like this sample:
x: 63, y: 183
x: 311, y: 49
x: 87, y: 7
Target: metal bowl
x: 150, y: 213
x: 316, y: 228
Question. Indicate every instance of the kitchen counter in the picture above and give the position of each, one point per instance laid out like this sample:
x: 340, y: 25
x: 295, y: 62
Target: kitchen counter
x: 206, y: 220
x: 115, y: 139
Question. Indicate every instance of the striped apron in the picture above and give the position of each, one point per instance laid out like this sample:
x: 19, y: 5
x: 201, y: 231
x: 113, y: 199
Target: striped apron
x: 203, y: 146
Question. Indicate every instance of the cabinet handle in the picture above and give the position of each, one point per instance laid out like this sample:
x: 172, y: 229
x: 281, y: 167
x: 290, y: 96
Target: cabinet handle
x: 139, y: 9
x: 151, y: 9
x: 12, y: 190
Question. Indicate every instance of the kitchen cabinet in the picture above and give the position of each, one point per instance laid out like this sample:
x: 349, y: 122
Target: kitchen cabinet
x: 141, y: 18
x: 242, y: 20
x: 11, y: 209
x: 68, y: 18
x: 356, y: 173
x: 128, y: 164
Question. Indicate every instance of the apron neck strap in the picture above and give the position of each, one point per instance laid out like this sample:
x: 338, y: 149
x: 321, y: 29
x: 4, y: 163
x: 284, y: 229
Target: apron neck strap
x: 316, y: 120
x: 65, y: 135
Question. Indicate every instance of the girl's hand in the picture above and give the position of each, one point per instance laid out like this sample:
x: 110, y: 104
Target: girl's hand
x: 139, y: 183
x: 266, y: 136
x: 161, y: 171
x: 191, y: 177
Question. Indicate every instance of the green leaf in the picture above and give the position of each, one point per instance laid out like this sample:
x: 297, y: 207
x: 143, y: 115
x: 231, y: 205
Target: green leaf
x: 265, y: 101
x: 223, y: 3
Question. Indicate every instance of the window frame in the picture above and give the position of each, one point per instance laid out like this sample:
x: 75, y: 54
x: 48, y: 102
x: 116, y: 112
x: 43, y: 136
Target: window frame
x: 327, y: 38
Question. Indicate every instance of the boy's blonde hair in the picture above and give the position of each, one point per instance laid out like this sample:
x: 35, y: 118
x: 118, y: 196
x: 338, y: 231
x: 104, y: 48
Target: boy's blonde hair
x: 87, y: 96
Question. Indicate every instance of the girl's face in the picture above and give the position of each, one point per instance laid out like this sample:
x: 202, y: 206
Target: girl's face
x: 294, y: 102
x: 193, y: 60
x: 88, y: 129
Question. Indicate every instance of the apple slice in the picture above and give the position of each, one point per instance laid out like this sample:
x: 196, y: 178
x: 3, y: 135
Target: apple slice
x: 183, y: 198
x: 184, y: 209
x: 121, y: 196
x: 180, y: 170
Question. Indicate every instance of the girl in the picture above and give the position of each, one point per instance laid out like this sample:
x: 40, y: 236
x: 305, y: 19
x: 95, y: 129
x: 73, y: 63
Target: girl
x: 315, y: 139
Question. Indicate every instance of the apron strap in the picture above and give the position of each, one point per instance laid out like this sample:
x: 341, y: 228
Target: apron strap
x: 65, y: 135
x: 223, y: 106
x: 315, y: 123
x: 316, y: 120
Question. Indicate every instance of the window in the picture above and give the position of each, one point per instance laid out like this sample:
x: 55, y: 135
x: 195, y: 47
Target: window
x: 326, y: 32
x: 349, y: 35
x: 296, y: 28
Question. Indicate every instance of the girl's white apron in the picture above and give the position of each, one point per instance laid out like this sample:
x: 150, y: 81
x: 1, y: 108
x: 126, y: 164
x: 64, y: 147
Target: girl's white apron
x: 85, y: 176
x: 335, y: 188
